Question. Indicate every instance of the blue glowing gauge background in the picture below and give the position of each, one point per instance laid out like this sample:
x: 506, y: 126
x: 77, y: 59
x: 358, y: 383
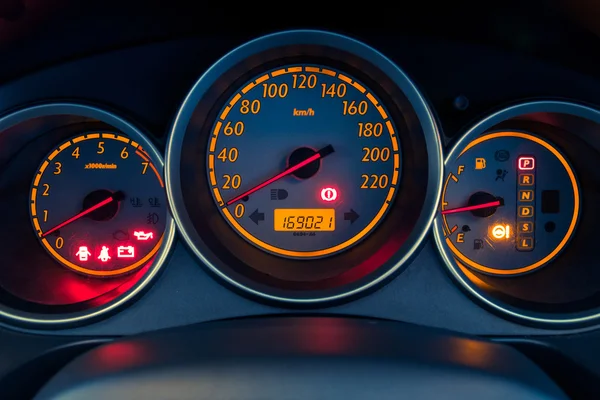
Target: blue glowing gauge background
x: 291, y: 115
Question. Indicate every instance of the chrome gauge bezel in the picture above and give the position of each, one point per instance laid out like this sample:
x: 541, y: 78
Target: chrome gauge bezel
x: 18, y: 318
x: 551, y: 320
x: 237, y: 57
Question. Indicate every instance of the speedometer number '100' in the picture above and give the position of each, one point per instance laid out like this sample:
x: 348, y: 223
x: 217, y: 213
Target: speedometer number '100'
x: 304, y: 161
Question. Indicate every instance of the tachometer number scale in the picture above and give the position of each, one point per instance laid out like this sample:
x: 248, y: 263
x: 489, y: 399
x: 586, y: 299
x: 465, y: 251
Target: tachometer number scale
x: 98, y: 205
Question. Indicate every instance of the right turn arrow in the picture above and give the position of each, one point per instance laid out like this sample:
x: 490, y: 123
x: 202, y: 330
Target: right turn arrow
x: 351, y: 216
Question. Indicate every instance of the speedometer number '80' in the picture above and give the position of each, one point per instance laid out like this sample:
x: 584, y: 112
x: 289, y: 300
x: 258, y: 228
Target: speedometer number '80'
x: 303, y: 161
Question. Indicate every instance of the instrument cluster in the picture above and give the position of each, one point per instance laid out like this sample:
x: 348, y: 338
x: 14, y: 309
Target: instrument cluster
x: 302, y: 169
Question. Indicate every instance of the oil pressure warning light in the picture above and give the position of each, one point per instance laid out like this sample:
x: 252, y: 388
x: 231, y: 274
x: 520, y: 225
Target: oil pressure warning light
x: 510, y: 203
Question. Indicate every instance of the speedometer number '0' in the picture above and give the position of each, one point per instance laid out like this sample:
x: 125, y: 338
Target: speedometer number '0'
x: 288, y: 136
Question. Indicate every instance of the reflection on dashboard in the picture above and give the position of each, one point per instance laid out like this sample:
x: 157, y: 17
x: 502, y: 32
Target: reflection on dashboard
x: 300, y: 198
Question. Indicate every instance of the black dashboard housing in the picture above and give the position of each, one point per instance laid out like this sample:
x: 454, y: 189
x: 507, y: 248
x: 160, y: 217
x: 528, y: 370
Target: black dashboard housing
x: 140, y: 59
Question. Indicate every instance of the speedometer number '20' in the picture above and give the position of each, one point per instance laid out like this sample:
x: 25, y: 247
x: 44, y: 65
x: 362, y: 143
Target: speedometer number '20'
x: 304, y: 161
x: 98, y: 205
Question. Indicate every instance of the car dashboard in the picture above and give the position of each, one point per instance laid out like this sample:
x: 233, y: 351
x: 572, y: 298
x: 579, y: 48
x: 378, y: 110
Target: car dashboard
x: 163, y: 176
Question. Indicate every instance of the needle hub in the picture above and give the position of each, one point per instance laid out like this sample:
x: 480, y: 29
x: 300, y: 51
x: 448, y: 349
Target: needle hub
x: 483, y: 198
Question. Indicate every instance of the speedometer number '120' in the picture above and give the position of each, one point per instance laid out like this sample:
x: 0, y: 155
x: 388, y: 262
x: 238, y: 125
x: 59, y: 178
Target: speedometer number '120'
x: 303, y: 161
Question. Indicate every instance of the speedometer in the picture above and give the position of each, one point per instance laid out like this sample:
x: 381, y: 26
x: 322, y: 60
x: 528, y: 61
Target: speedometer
x: 304, y: 167
x: 304, y: 161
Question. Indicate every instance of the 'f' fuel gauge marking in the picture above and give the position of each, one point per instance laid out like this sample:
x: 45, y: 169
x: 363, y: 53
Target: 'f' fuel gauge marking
x: 499, y: 200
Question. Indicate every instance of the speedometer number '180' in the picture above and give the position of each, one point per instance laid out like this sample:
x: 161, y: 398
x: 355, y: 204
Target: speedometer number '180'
x: 303, y: 161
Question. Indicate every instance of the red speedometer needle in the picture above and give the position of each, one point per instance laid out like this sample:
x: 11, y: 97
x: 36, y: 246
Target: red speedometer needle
x: 496, y: 203
x: 114, y: 197
x: 325, y: 151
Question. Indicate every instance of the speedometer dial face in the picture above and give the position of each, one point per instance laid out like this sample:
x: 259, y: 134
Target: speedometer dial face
x: 98, y: 205
x: 321, y: 170
x: 304, y: 161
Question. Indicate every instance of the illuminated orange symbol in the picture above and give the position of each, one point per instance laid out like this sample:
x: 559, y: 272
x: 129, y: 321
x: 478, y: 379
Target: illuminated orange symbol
x: 141, y: 235
x: 480, y: 163
x: 104, y: 257
x: 125, y: 252
x: 83, y: 253
x: 525, y: 211
x: 525, y: 227
x: 526, y: 195
x: 525, y: 244
x: 501, y: 231
x: 526, y: 179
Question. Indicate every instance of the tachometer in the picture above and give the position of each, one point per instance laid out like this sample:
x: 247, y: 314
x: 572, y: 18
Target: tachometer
x: 98, y: 205
x: 304, y: 161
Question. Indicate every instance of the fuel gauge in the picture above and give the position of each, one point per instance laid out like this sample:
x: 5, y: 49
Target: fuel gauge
x: 510, y: 203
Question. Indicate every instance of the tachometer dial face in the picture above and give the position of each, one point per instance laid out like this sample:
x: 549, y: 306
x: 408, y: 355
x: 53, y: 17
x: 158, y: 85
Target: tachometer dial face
x: 98, y: 205
x: 510, y: 203
x: 304, y: 161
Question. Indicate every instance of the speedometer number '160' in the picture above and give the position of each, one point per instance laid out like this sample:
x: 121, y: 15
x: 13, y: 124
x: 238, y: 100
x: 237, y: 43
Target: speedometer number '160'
x: 303, y: 161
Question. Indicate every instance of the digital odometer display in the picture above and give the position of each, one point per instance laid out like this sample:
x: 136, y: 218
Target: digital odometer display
x: 304, y: 161
x: 304, y: 220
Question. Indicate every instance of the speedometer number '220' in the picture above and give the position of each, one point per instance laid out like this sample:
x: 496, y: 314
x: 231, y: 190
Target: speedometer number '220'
x: 303, y: 161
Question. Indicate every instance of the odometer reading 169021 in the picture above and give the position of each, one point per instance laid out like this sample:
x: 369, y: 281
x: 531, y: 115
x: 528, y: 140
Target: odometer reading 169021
x: 304, y: 161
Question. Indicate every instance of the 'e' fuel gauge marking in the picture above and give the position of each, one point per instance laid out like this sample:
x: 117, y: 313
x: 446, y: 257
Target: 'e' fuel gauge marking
x: 510, y: 203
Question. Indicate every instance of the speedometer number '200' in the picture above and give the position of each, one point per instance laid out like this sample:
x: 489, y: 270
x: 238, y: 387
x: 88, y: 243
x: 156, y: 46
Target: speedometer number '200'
x: 98, y: 205
x: 303, y: 161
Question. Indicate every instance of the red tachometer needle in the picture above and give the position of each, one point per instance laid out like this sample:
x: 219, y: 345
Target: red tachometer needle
x: 496, y: 203
x: 325, y: 151
x: 74, y: 218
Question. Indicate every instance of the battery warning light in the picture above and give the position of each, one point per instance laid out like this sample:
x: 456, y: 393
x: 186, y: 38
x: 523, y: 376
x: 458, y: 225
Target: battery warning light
x: 526, y: 163
x: 329, y: 194
x: 125, y: 252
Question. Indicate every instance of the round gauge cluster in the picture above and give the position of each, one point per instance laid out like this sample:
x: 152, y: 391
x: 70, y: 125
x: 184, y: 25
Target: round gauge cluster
x: 308, y: 124
x: 303, y: 167
x: 98, y: 205
x: 90, y: 226
x: 322, y: 172
x: 510, y: 205
x: 511, y: 225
